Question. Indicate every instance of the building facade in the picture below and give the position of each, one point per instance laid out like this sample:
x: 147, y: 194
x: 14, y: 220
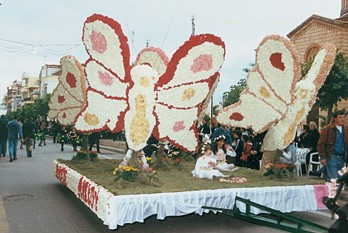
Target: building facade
x: 30, y: 90
x: 14, y: 96
x: 22, y: 93
x: 312, y: 34
x: 48, y: 78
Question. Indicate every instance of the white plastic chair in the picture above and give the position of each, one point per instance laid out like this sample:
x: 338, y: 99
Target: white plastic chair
x: 260, y: 163
x: 301, y: 154
x: 312, y: 162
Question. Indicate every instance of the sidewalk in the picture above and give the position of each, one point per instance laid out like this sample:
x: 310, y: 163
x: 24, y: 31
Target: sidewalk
x: 114, y: 146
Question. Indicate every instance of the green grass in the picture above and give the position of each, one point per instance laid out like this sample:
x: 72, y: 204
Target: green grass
x: 175, y: 180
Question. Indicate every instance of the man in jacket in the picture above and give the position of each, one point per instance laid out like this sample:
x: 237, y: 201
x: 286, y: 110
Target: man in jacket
x: 14, y: 134
x: 3, y: 135
x: 333, y: 145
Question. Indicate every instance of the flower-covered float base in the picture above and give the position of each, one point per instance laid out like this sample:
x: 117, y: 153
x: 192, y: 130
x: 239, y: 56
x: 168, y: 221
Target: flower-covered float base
x: 117, y: 210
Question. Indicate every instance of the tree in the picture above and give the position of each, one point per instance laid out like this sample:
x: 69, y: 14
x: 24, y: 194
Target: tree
x: 39, y: 108
x: 335, y: 87
x: 232, y: 96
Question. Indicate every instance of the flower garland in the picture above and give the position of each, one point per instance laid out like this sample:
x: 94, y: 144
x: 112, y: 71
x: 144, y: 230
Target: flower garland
x: 237, y: 180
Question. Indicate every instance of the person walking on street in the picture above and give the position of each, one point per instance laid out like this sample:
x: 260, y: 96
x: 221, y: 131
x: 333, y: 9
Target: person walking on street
x: 3, y: 135
x: 29, y: 129
x: 333, y: 145
x: 14, y: 134
x: 42, y: 132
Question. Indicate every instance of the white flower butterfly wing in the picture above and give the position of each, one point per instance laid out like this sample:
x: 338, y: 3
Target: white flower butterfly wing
x: 108, y: 74
x: 101, y: 113
x: 106, y: 44
x: 270, y: 87
x: 73, y: 78
x: 68, y: 98
x: 283, y: 133
x: 278, y: 64
x: 65, y: 116
x: 104, y: 81
x: 181, y: 91
x: 62, y: 99
x: 153, y: 57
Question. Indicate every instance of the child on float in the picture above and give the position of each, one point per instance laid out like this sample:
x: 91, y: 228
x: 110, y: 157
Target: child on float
x: 205, y: 164
x: 221, y: 150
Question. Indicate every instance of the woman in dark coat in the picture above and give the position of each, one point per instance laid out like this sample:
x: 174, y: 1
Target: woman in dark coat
x: 238, y: 146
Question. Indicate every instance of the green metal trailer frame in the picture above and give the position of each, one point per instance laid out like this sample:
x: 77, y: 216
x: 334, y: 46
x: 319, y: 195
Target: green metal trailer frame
x: 275, y: 219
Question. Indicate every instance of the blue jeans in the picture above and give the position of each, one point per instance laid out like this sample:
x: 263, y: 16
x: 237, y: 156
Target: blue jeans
x: 3, y: 147
x: 333, y: 165
x: 12, y: 148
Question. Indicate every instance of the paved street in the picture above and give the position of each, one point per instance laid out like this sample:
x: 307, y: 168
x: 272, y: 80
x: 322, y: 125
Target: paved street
x: 35, y: 202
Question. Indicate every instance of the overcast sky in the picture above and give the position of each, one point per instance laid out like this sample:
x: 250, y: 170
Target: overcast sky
x: 166, y: 24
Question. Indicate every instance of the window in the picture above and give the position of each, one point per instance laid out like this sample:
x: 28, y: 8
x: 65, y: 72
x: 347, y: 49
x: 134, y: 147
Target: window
x: 311, y: 53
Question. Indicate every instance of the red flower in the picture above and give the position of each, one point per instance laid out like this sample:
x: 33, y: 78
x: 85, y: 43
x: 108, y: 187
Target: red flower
x: 280, y: 166
x: 177, y: 160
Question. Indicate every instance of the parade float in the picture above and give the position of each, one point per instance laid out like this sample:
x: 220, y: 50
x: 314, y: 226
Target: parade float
x: 164, y: 98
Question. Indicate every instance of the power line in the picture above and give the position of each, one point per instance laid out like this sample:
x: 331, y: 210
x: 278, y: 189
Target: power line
x: 53, y: 49
x: 30, y: 44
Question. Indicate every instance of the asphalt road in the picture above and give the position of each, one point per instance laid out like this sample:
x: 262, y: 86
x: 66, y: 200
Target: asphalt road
x: 33, y: 201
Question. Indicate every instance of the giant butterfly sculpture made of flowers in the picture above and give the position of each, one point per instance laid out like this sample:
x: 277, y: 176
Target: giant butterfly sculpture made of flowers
x: 276, y: 98
x: 152, y: 96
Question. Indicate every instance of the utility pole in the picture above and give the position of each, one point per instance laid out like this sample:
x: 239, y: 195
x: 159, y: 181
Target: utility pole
x: 193, y: 25
x: 147, y: 43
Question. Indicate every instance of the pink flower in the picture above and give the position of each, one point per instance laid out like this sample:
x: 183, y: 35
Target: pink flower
x: 202, y: 62
x: 178, y: 126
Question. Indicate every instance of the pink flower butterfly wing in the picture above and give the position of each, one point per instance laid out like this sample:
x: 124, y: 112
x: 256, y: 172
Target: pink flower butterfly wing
x: 108, y: 73
x: 104, y: 81
x: 106, y: 43
x: 188, y: 81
